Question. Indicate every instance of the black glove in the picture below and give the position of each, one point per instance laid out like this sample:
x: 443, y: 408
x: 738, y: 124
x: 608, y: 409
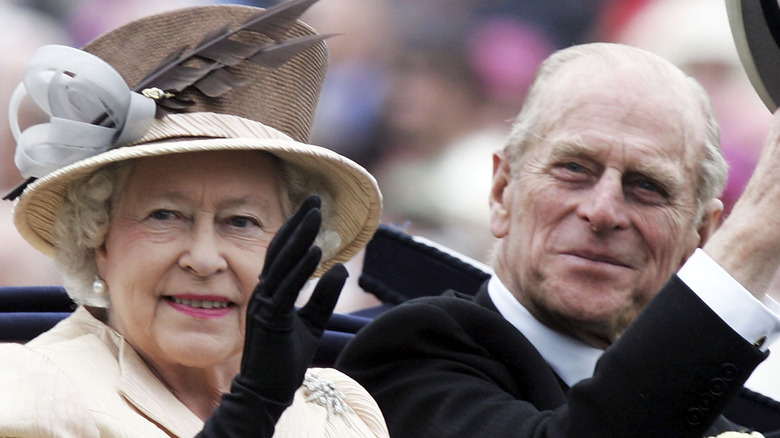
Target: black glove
x: 280, y: 342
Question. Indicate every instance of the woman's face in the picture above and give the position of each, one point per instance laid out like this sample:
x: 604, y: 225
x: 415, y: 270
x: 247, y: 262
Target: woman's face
x: 184, y: 250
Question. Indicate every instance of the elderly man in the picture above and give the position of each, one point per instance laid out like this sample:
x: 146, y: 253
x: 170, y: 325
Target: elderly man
x: 616, y: 309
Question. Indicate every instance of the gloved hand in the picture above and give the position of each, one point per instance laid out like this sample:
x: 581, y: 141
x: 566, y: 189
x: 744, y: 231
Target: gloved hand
x: 280, y: 342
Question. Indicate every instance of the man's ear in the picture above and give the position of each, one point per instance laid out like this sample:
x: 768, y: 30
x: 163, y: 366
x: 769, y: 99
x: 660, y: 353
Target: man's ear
x: 710, y: 220
x: 500, y: 201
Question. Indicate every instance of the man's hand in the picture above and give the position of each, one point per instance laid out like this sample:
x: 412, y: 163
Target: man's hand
x: 747, y: 244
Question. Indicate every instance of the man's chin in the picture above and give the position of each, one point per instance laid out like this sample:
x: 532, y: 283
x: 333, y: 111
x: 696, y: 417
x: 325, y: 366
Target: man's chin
x: 594, y: 319
x: 596, y: 333
x: 591, y: 271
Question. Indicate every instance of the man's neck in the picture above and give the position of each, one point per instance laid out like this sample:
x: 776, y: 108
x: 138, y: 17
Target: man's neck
x: 570, y: 358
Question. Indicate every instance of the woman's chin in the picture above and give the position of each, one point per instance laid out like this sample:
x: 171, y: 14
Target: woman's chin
x: 199, y: 351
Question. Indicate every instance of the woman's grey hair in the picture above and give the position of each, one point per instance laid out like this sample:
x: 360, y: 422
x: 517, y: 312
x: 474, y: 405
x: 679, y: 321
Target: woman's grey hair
x: 83, y: 218
x: 531, y: 123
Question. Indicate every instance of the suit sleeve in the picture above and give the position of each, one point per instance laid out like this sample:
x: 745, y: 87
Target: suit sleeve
x: 445, y: 367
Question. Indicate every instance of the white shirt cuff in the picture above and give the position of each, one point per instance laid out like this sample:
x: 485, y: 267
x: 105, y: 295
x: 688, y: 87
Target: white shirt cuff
x: 745, y: 314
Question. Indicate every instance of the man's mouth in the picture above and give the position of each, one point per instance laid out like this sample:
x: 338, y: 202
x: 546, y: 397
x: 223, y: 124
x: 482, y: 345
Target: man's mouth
x: 600, y: 258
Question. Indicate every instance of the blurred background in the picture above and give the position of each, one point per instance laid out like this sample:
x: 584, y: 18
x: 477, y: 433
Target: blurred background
x: 421, y: 92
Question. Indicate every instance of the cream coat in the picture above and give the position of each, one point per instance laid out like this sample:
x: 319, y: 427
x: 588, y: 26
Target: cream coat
x: 81, y: 379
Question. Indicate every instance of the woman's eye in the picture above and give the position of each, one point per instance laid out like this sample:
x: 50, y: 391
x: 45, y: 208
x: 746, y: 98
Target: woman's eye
x: 243, y: 221
x: 162, y: 215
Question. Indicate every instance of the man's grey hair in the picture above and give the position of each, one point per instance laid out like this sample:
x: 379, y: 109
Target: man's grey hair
x: 530, y: 124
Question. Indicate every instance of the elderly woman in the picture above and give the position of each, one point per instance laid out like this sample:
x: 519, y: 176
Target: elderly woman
x: 173, y: 173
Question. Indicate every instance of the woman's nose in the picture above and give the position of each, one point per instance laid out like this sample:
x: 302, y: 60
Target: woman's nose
x: 203, y: 255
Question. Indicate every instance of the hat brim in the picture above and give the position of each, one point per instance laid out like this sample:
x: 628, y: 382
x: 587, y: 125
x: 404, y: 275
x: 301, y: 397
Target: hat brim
x: 755, y: 26
x: 355, y: 212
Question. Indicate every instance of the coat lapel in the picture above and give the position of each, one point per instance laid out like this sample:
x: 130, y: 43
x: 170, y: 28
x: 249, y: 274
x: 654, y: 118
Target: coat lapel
x: 151, y: 397
x: 539, y: 383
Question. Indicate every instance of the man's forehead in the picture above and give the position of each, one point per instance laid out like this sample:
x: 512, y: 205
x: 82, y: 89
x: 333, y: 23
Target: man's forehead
x: 652, y: 115
x: 620, y: 77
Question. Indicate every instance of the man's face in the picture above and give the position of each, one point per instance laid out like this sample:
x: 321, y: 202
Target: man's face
x: 602, y: 210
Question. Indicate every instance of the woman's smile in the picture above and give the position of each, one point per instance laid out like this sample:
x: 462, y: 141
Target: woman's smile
x: 201, y: 306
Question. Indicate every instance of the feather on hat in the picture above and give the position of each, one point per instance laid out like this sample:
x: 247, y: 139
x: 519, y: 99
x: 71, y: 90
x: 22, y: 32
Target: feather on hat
x: 223, y: 77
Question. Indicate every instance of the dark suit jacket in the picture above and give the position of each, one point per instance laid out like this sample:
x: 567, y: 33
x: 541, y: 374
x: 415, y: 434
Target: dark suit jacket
x: 452, y: 366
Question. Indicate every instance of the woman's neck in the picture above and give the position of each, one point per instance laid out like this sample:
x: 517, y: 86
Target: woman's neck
x: 199, y: 389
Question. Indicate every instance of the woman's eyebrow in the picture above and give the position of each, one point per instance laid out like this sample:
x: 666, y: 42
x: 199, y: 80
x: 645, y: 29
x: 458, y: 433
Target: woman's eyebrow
x: 243, y: 201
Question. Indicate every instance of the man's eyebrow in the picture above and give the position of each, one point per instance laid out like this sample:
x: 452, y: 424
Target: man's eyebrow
x: 665, y: 173
x: 571, y: 148
x: 662, y: 174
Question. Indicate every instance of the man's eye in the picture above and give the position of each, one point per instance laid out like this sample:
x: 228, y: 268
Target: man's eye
x: 571, y: 171
x: 646, y: 189
x: 573, y: 167
x: 645, y: 184
x: 650, y: 187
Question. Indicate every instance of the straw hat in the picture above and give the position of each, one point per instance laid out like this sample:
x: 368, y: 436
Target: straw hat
x: 755, y: 26
x: 248, y: 92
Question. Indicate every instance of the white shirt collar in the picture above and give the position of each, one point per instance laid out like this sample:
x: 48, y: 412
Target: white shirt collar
x: 570, y: 358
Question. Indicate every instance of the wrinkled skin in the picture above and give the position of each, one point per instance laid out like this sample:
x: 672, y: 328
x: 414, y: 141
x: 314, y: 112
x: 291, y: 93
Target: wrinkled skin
x: 602, y: 210
x: 190, y: 225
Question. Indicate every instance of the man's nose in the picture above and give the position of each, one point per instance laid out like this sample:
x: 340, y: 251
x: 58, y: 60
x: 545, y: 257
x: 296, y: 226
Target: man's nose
x: 603, y: 205
x: 203, y: 255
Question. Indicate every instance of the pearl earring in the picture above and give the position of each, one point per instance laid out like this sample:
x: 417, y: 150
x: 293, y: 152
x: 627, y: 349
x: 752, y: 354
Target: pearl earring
x: 99, y: 286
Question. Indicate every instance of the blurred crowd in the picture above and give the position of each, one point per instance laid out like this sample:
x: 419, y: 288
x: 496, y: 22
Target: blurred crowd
x: 421, y: 92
